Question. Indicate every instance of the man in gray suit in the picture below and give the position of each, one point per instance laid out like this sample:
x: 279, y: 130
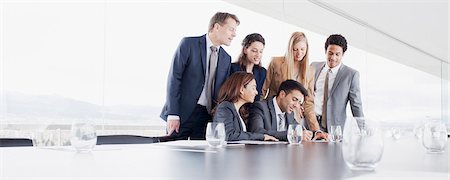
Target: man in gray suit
x: 273, y: 115
x: 335, y: 85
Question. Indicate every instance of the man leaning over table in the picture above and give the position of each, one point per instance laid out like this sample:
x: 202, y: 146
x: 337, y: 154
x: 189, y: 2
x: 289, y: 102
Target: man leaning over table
x: 273, y: 115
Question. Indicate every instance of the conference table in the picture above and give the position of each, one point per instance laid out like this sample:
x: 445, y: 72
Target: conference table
x: 402, y: 159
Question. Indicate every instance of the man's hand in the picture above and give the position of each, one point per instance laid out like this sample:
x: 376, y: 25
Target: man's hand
x: 321, y: 135
x: 173, y: 125
x: 269, y: 138
x: 307, y: 135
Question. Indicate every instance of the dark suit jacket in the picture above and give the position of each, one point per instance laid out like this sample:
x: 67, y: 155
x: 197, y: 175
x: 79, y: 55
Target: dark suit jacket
x: 187, y: 77
x: 226, y: 113
x: 345, y: 89
x: 258, y: 72
x: 263, y: 119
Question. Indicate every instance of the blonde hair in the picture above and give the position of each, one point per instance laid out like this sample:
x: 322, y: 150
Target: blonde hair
x: 303, y: 68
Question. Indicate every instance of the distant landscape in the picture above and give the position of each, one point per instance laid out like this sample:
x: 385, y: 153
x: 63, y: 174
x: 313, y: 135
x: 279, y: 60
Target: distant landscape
x: 53, y: 109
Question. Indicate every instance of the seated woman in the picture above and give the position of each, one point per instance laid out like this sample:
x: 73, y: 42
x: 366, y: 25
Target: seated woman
x: 238, y: 89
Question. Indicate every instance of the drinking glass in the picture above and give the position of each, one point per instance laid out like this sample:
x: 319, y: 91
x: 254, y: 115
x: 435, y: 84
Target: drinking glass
x: 418, y: 130
x: 335, y: 134
x: 435, y: 136
x: 83, y: 136
x: 362, y: 143
x: 215, y: 134
x: 295, y: 133
x: 43, y: 138
x: 396, y: 133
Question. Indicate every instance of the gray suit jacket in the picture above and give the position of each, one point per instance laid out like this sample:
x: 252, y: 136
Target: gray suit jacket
x: 263, y: 119
x: 187, y: 77
x: 226, y: 113
x: 345, y: 88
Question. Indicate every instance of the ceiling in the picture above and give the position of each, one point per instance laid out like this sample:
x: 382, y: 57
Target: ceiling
x: 411, y: 32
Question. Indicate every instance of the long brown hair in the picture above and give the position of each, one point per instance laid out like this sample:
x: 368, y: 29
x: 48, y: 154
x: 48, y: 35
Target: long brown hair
x: 231, y: 90
x: 248, y: 40
x: 303, y: 68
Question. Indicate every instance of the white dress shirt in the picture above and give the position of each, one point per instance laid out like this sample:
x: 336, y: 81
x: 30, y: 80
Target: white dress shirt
x: 244, y: 127
x: 320, y: 83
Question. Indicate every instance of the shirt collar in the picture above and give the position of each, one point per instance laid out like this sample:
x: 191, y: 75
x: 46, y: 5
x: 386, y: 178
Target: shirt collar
x: 333, y: 70
x: 209, y: 43
x: 277, y: 108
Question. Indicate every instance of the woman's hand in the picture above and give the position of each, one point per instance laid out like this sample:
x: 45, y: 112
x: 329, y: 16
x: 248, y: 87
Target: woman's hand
x: 307, y: 135
x: 298, y: 114
x: 269, y: 138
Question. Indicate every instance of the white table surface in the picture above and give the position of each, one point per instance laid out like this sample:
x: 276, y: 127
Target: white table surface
x: 402, y: 159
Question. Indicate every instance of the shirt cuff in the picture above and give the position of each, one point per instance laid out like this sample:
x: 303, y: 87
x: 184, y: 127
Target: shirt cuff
x: 173, y: 118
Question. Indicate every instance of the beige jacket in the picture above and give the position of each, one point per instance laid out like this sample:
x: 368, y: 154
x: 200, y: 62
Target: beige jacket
x: 273, y: 80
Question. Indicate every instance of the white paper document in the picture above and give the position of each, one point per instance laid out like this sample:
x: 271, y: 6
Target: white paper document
x: 256, y: 142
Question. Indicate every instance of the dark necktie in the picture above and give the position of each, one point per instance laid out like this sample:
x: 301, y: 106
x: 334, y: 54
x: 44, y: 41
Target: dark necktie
x: 325, y: 100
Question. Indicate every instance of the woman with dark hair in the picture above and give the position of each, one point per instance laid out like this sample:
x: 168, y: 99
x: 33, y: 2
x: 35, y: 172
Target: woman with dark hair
x: 238, y: 89
x: 250, y: 60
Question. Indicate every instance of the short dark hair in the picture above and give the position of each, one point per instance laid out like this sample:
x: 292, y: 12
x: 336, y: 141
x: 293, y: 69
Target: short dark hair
x: 336, y: 39
x: 221, y: 17
x: 290, y: 85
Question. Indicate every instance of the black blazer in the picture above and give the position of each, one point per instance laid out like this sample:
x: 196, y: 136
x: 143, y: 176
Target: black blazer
x: 227, y: 114
x: 258, y: 72
x: 187, y: 77
x: 263, y: 119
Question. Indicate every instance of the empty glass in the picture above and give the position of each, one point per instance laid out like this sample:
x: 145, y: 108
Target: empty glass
x: 335, y: 134
x: 43, y: 138
x: 215, y: 134
x: 83, y: 136
x: 418, y: 130
x: 362, y: 144
x: 295, y: 133
x: 396, y: 133
x: 435, y: 136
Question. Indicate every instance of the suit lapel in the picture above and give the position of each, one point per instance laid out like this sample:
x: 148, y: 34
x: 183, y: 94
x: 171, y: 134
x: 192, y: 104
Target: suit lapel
x: 220, y: 64
x: 338, y: 78
x: 202, y: 48
x: 236, y: 114
x: 273, y: 122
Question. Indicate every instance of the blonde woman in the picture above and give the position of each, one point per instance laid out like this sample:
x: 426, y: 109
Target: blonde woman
x: 293, y: 65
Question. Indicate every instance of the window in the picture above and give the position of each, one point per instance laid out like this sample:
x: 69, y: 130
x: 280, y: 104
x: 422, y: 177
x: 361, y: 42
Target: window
x: 108, y: 61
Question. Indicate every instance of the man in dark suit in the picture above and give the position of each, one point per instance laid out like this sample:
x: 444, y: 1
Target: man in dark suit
x: 199, y: 68
x: 335, y: 85
x: 273, y: 115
